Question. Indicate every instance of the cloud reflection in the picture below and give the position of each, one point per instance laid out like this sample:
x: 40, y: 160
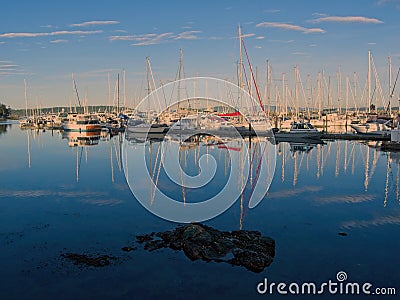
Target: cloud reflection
x: 384, y: 220
x: 294, y: 192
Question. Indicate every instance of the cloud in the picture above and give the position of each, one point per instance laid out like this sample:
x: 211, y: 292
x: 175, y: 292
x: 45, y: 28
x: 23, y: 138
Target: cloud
x: 59, y: 41
x: 281, y: 41
x: 371, y: 43
x: 286, y: 26
x: 48, y: 26
x: 317, y: 14
x: 348, y: 19
x: 271, y: 11
x: 384, y: 2
x: 248, y: 35
x: 10, y: 68
x: 187, y: 35
x: 154, y: 38
x: 299, y: 53
x: 257, y: 47
x: 94, y: 23
x: 260, y: 37
x: 54, y: 33
x: 102, y: 73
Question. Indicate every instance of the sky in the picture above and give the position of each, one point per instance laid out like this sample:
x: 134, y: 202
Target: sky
x: 44, y: 42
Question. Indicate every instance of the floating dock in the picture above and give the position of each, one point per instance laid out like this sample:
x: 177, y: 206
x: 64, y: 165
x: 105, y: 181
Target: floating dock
x: 355, y: 136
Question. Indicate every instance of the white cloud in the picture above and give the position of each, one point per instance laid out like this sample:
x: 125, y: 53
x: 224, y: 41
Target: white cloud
x: 347, y: 19
x: 48, y: 26
x: 384, y: 2
x: 299, y: 53
x: 54, y: 33
x: 8, y: 67
x: 154, y: 38
x: 281, y: 41
x: 187, y: 35
x: 149, y: 37
x: 248, y: 35
x: 272, y: 11
x: 317, y: 14
x: 257, y: 47
x: 59, y: 41
x: 371, y: 43
x: 260, y: 37
x: 94, y: 23
x: 286, y: 26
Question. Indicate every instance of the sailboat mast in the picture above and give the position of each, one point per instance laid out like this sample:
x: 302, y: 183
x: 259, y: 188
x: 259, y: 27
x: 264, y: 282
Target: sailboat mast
x: 26, y: 99
x: 296, y: 90
x: 179, y: 80
x: 118, y: 94
x: 390, y: 85
x: 240, y: 57
x: 369, y: 81
x: 339, y: 90
x: 109, y: 91
x: 148, y: 86
x: 124, y: 89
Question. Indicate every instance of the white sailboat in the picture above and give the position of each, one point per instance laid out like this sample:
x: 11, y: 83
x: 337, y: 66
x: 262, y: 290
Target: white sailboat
x: 80, y: 122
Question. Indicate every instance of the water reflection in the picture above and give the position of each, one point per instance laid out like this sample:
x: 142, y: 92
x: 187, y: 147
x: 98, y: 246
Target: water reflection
x: 198, y: 169
x: 81, y: 138
x: 342, y: 186
x: 341, y: 161
x: 3, y: 127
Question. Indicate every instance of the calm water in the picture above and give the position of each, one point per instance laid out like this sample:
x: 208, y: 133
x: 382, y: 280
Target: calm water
x: 55, y: 199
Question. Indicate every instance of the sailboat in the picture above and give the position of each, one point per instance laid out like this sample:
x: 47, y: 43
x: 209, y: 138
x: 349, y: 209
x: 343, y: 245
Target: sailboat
x: 137, y: 124
x: 81, y: 122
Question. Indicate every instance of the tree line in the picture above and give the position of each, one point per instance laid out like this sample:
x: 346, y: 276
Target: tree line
x: 4, y: 111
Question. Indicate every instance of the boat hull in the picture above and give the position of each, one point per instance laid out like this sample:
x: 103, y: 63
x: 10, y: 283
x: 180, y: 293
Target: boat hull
x: 81, y: 127
x: 370, y: 128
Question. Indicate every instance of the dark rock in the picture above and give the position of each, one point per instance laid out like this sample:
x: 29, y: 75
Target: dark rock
x: 154, y: 245
x: 343, y: 233
x: 144, y: 238
x: 83, y: 259
x: 243, y: 247
x: 128, y: 249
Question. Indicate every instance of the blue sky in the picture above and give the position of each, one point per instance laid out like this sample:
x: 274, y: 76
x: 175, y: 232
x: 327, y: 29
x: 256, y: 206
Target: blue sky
x: 45, y: 41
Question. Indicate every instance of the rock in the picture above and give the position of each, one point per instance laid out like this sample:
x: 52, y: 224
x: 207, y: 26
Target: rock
x: 249, y: 248
x: 144, y: 238
x: 128, y: 248
x: 83, y: 259
x: 154, y: 245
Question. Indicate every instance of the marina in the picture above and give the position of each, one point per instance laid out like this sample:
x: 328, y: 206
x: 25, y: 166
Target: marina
x: 303, y: 204
x: 199, y: 150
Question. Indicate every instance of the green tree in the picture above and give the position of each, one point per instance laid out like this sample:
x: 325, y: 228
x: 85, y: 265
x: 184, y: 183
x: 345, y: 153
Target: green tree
x: 4, y: 110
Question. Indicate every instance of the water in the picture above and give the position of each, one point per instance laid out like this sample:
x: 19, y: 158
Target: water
x: 56, y: 199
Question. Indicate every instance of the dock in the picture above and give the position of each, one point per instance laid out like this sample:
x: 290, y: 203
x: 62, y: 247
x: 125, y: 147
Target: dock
x: 355, y: 136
